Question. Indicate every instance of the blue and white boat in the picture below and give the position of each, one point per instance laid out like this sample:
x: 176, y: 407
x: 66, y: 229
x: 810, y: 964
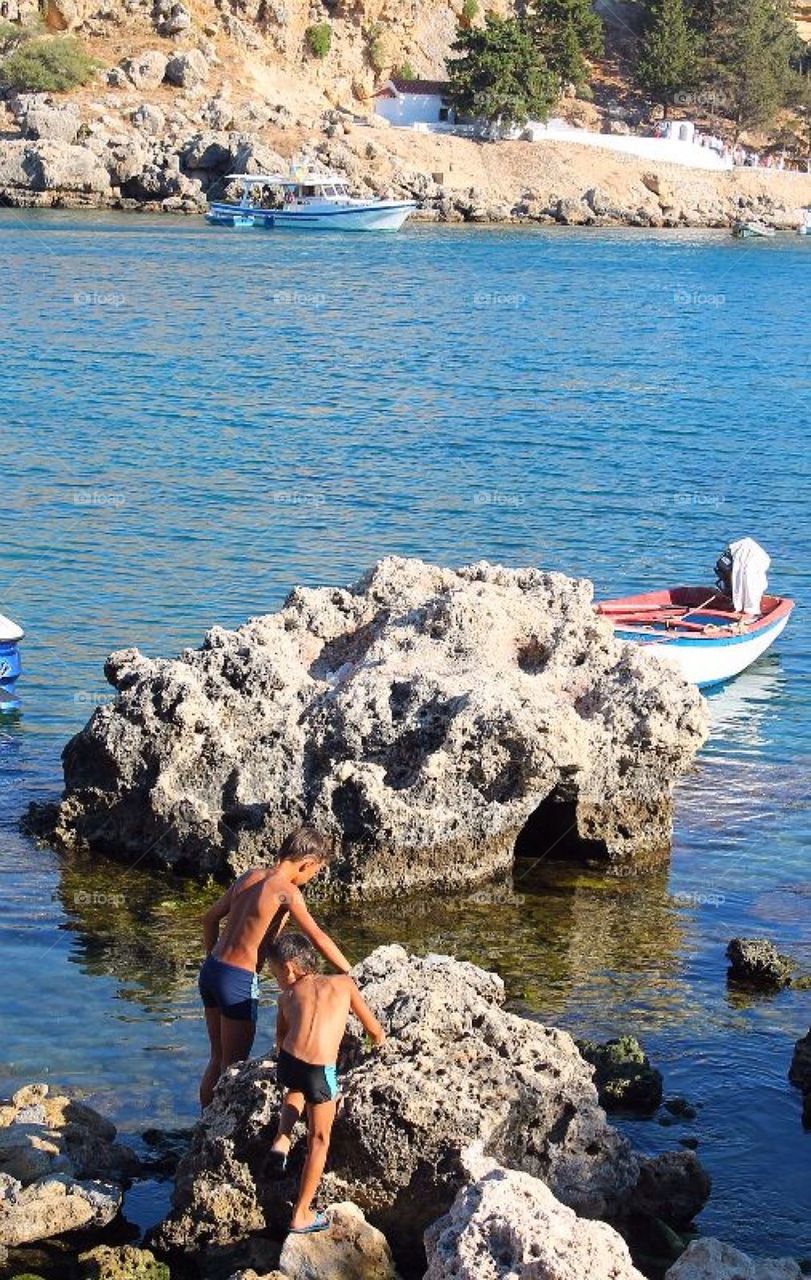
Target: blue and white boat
x: 310, y: 201
x: 699, y: 629
x: 10, y: 665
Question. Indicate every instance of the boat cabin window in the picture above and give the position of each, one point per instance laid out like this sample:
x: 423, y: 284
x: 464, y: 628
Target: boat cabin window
x: 328, y: 191
x: 309, y: 190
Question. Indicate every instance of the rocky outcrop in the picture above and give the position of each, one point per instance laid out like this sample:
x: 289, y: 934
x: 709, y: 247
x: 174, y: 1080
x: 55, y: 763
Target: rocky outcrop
x: 711, y: 1260
x: 122, y: 1263
x: 624, y: 1077
x: 457, y: 1069
x: 508, y: 1226
x: 435, y: 722
x: 350, y: 1250
x: 53, y: 1206
x: 756, y: 962
x: 60, y: 1166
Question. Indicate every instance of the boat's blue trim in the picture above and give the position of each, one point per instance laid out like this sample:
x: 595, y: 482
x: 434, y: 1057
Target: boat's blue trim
x: 292, y: 215
x: 10, y: 665
x: 694, y: 642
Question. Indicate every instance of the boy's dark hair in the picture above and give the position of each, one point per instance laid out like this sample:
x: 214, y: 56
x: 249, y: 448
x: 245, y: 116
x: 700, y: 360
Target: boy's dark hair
x: 306, y: 842
x: 294, y: 948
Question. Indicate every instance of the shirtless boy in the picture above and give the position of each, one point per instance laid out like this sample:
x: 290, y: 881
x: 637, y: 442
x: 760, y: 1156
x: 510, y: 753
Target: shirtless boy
x: 310, y: 1024
x: 255, y: 910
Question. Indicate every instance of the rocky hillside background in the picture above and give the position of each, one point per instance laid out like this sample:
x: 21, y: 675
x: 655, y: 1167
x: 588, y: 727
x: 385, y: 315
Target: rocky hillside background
x: 187, y: 91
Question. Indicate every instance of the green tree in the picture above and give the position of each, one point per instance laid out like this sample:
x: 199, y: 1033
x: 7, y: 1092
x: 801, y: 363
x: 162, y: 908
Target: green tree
x: 568, y: 33
x: 667, y: 56
x: 499, y: 75
x: 47, y: 66
x: 751, y: 49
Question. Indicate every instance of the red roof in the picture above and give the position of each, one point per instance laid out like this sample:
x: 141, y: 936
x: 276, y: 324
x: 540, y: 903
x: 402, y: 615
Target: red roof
x: 437, y: 87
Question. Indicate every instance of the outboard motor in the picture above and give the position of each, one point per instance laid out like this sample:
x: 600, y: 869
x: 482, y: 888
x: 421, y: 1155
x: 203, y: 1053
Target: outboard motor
x: 741, y: 574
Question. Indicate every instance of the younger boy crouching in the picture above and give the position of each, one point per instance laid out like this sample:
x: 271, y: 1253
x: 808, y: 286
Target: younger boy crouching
x: 311, y: 1019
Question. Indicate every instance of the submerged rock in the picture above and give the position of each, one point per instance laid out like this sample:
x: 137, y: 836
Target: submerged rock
x: 756, y: 962
x: 457, y: 1069
x: 624, y: 1077
x: 509, y: 1226
x: 712, y: 1260
x: 122, y: 1263
x: 433, y: 721
x: 350, y: 1250
x: 799, y: 1073
x: 673, y: 1187
x: 60, y: 1167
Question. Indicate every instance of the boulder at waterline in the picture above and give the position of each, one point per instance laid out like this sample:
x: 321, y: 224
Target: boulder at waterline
x: 435, y: 722
x: 624, y: 1077
x: 54, y: 1205
x: 60, y: 1167
x: 350, y: 1250
x: 673, y: 1187
x: 756, y: 962
x: 456, y: 1069
x: 507, y: 1225
x: 124, y: 1262
x: 712, y: 1260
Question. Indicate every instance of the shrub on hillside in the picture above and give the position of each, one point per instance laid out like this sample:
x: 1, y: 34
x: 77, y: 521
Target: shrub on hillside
x: 47, y: 66
x: 319, y: 39
x: 470, y: 10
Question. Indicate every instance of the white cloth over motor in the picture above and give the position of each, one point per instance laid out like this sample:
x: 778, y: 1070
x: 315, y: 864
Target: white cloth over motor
x: 749, y: 565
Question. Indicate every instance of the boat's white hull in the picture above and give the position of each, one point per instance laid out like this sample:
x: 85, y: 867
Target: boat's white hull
x: 705, y: 661
x: 384, y: 215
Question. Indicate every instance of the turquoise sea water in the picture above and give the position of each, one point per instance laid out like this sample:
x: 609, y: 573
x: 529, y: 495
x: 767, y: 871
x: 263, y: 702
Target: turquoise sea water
x: 196, y: 419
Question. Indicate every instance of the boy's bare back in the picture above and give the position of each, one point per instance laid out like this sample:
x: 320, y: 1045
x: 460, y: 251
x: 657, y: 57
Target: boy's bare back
x: 259, y: 902
x: 314, y: 1013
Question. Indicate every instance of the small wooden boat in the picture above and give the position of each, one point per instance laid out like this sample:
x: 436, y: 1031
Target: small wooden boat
x: 698, y: 628
x: 10, y: 666
x: 753, y: 229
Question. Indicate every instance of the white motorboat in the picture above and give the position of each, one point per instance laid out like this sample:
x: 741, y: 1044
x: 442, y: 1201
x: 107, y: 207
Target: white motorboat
x: 311, y: 201
x: 754, y: 230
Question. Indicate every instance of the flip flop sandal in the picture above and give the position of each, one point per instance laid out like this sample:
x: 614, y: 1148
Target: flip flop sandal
x: 320, y: 1223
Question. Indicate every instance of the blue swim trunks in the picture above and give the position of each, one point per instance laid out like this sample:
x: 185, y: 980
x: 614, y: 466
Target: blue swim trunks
x: 234, y: 991
x: 317, y: 1083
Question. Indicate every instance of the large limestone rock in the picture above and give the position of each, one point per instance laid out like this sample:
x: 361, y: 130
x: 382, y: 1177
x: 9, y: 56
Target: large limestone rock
x: 509, y: 1226
x: 60, y: 1166
x: 52, y: 1206
x: 426, y: 718
x: 712, y: 1260
x: 350, y: 1250
x: 55, y: 167
x: 457, y: 1069
x: 146, y: 70
x: 188, y: 69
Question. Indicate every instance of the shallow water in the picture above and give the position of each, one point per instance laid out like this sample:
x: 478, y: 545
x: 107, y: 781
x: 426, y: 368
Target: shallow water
x: 197, y: 419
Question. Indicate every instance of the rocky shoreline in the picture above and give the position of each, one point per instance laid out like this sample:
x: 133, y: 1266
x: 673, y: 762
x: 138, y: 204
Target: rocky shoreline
x: 141, y: 150
x: 473, y: 1146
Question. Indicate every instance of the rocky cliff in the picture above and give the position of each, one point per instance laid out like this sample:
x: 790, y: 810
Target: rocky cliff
x: 191, y: 90
x: 435, y: 722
